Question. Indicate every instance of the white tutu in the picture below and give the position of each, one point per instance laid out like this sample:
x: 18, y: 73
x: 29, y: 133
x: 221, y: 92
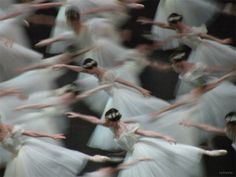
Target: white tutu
x: 36, y: 158
x: 15, y: 56
x: 33, y: 81
x: 168, y: 160
x: 108, y: 54
x: 48, y: 120
x: 12, y: 28
x: 129, y: 102
x: 211, y: 108
x: 195, y: 12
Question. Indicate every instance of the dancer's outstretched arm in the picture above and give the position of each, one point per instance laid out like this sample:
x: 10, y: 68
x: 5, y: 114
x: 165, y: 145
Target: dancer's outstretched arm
x: 215, y: 83
x: 155, y: 135
x: 33, y: 106
x: 38, y: 135
x: 155, y: 115
x: 93, y: 91
x: 32, y: 6
x: 87, y: 118
x: 140, y: 89
x: 204, y: 127
x: 210, y: 37
x: 132, y: 163
x: 71, y: 67
x: 46, y: 42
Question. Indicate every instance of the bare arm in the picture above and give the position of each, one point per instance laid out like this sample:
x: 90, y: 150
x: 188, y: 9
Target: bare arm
x: 132, y: 163
x: 216, y: 69
x: 93, y: 91
x: 11, y: 15
x: 47, y: 5
x: 87, y: 118
x: 154, y: 135
x: 36, y: 6
x: 33, y: 106
x: 32, y: 67
x: 101, y: 10
x: 210, y: 37
x: 140, y: 89
x: 71, y: 67
x: 38, y: 135
x: 215, y: 83
x: 83, y: 51
x: 155, y: 115
x: 49, y: 41
x: 204, y: 127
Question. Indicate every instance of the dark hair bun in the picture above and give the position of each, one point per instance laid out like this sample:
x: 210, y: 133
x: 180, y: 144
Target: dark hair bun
x: 174, y: 18
x: 113, y: 115
x: 72, y: 13
x: 230, y: 117
x: 89, y: 63
x: 178, y: 57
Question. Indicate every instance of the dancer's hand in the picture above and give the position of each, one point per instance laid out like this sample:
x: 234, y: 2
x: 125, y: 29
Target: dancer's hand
x: 135, y: 6
x: 71, y: 115
x: 186, y: 123
x: 44, y: 42
x: 58, y: 136
x: 145, y: 92
x: 226, y: 41
x: 169, y: 139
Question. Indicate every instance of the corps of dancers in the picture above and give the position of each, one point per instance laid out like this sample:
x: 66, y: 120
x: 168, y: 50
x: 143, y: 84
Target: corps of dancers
x: 159, y: 138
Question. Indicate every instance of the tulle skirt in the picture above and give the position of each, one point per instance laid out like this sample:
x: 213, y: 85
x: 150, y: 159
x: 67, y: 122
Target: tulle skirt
x: 211, y: 54
x: 210, y: 109
x: 34, y: 81
x: 40, y: 159
x: 108, y: 54
x: 130, y: 104
x: 97, y: 101
x: 12, y: 29
x: 195, y: 13
x: 169, y: 160
x: 14, y: 57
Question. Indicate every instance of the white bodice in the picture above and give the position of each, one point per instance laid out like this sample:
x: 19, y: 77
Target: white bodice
x: 13, y: 142
x: 109, y: 77
x: 83, y: 38
x: 192, y: 39
x: 232, y: 136
x: 128, y: 139
x: 197, y: 76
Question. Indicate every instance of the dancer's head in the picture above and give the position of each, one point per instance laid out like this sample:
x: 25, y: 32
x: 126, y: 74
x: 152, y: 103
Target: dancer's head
x: 230, y: 119
x: 174, y: 19
x: 112, y: 116
x: 177, y: 60
x: 72, y: 91
x: 89, y: 65
x: 73, y: 17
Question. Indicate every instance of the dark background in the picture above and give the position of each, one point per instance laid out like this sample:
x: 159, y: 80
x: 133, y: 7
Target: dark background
x: 160, y: 84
